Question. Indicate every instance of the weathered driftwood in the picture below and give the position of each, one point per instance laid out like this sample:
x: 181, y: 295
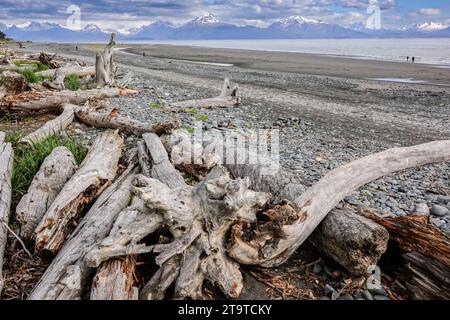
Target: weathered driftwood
x: 12, y: 83
x: 94, y: 227
x: 38, y: 102
x: 426, y: 268
x: 51, y: 127
x: 79, y: 71
x: 49, y: 60
x: 105, y: 68
x: 57, y: 82
x: 115, y: 280
x: 6, y: 167
x: 113, y: 120
x: 355, y: 242
x: 314, y: 204
x: 95, y: 174
x: 227, y: 98
x: 55, y: 171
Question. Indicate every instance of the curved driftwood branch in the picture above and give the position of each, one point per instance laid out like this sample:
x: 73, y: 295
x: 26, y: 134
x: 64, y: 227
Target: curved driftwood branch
x: 51, y: 127
x: 227, y: 98
x: 64, y: 71
x: 55, y: 171
x: 38, y: 102
x: 95, y: 174
x: 6, y: 168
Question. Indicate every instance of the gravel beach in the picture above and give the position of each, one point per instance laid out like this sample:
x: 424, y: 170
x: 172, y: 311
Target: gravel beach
x: 324, y: 121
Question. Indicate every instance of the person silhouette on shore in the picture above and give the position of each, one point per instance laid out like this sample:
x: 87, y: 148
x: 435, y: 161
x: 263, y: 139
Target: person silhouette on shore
x: 413, y: 59
x: 407, y: 59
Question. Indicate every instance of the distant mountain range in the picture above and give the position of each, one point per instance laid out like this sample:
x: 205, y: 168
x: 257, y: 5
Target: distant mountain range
x: 209, y: 27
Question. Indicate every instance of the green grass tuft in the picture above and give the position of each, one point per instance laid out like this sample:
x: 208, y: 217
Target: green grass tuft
x: 72, y: 82
x: 155, y: 105
x: 192, y: 111
x: 201, y: 117
x: 31, y: 76
x: 37, y: 66
x: 28, y: 159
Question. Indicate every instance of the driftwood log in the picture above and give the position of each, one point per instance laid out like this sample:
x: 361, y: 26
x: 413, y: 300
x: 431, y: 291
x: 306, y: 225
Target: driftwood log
x: 39, y: 102
x: 227, y: 98
x: 79, y: 71
x: 51, y: 127
x: 57, y: 81
x: 426, y: 255
x: 95, y: 174
x: 55, y: 171
x: 94, y: 227
x: 6, y: 168
x: 105, y: 68
x: 12, y: 83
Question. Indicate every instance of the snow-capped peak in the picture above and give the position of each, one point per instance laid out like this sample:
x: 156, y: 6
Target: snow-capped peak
x: 91, y: 27
x: 298, y: 20
x: 431, y: 26
x: 162, y: 23
x: 208, y: 18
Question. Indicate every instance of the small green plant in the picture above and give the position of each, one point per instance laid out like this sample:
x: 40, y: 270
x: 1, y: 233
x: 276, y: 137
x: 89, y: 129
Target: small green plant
x: 192, y: 111
x: 31, y: 76
x: 28, y: 159
x: 72, y: 82
x: 202, y: 117
x: 188, y: 129
x: 35, y: 65
x: 155, y: 105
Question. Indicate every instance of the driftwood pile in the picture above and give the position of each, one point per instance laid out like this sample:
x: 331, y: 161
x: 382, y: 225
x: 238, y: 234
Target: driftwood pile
x: 94, y: 221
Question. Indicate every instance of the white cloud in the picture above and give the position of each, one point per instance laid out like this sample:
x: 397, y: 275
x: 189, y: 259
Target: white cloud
x: 429, y: 11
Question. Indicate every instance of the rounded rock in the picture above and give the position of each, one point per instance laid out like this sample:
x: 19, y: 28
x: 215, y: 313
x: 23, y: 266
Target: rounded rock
x: 439, y: 211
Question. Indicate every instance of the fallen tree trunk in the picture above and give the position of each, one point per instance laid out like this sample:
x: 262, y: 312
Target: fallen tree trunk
x: 6, y: 168
x: 426, y: 268
x: 95, y: 174
x: 39, y: 102
x: 105, y: 68
x: 355, y: 242
x: 57, y: 82
x: 12, y: 83
x: 228, y: 98
x: 113, y: 120
x: 55, y: 171
x: 51, y: 127
x: 94, y: 227
x: 79, y: 71
x: 115, y: 280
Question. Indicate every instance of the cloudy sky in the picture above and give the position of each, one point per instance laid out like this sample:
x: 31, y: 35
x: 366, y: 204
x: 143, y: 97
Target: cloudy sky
x: 127, y: 14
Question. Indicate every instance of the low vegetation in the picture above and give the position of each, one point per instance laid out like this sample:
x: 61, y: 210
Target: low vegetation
x: 28, y: 159
x: 72, y: 82
x: 31, y: 76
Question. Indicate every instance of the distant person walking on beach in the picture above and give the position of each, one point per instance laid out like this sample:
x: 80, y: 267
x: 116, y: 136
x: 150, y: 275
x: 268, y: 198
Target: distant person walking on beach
x: 413, y: 59
x: 407, y: 59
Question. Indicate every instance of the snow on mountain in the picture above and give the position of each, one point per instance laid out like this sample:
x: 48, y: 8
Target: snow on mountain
x: 155, y: 31
x: 207, y: 19
x: 298, y: 20
x: 430, y: 26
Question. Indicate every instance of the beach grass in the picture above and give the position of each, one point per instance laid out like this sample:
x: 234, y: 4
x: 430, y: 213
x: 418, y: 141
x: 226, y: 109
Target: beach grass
x: 72, y: 82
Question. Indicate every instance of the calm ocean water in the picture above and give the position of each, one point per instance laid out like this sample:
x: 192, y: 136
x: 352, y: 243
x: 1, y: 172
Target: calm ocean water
x: 430, y: 51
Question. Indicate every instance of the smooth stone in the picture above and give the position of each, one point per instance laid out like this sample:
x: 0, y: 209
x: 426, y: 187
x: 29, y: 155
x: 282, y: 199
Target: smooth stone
x: 379, y: 292
x: 422, y: 209
x: 381, y: 298
x: 317, y: 268
x: 443, y: 199
x: 358, y: 296
x: 437, y: 222
x: 439, y: 211
x: 324, y: 298
x: 367, y: 295
x: 328, y: 290
x: 346, y: 297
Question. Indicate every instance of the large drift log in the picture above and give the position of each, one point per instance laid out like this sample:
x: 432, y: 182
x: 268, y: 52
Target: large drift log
x: 51, y: 127
x: 112, y: 120
x: 79, y: 71
x: 38, y: 102
x: 228, y: 98
x: 426, y: 269
x: 105, y: 68
x: 55, y: 171
x: 12, y: 83
x: 94, y: 227
x: 95, y: 174
x: 6, y: 167
x: 355, y: 242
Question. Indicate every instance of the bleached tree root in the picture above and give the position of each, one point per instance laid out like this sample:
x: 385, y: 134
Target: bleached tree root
x: 6, y: 168
x: 94, y: 227
x: 113, y: 120
x: 51, y: 127
x: 105, y: 68
x: 95, y: 174
x: 39, y: 102
x: 115, y: 280
x: 228, y: 98
x: 55, y: 171
x: 57, y: 82
x: 315, y: 204
x: 79, y: 71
